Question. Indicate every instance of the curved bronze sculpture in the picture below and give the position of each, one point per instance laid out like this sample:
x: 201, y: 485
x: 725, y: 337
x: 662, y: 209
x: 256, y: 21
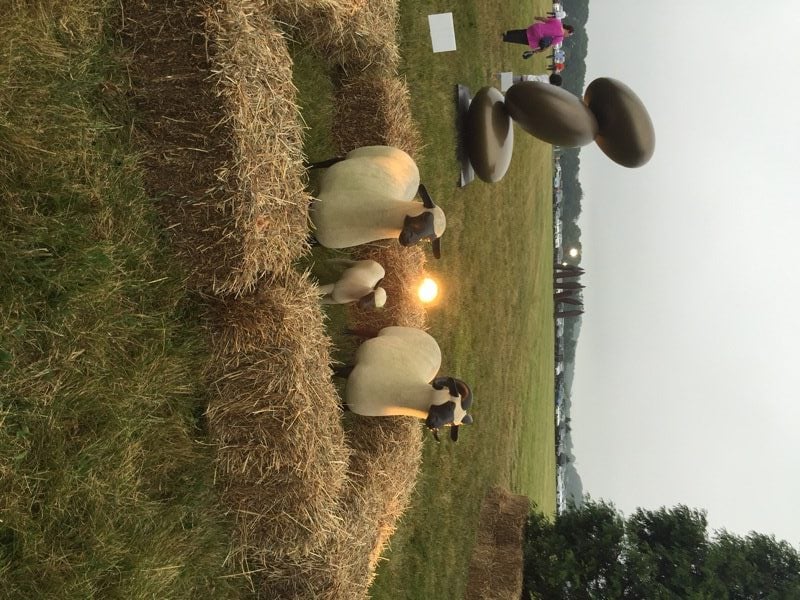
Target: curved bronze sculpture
x: 626, y: 133
x: 551, y: 114
x: 489, y: 135
x: 610, y: 114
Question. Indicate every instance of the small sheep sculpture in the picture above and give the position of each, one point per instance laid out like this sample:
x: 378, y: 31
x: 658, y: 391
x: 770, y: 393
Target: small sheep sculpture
x: 394, y: 373
x: 358, y: 283
x: 367, y: 196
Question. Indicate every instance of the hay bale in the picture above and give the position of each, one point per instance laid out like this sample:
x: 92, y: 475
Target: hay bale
x: 357, y: 35
x: 374, y: 110
x: 386, y: 455
x: 254, y: 78
x: 495, y: 568
x: 315, y: 577
x: 384, y: 461
x: 276, y: 418
x: 313, y: 510
x: 384, y: 464
x: 221, y: 135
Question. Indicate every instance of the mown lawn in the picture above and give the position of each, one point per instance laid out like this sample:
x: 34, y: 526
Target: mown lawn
x: 495, y: 323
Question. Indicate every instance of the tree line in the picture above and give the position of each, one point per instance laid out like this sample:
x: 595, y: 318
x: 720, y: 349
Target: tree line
x: 593, y: 552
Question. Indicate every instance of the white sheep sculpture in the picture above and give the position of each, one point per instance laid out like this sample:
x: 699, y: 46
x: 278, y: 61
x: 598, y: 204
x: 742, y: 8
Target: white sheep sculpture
x: 368, y: 195
x: 394, y: 373
x: 358, y: 283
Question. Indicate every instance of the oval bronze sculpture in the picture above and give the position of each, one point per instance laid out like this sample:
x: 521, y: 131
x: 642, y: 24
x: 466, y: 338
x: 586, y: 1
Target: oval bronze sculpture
x: 626, y: 133
x: 489, y: 135
x: 551, y: 114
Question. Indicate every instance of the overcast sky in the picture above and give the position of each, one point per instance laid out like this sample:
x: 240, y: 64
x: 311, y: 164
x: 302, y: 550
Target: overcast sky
x: 688, y: 365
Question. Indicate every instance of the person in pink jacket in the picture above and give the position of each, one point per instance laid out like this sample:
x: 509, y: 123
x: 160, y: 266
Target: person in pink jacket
x: 545, y: 32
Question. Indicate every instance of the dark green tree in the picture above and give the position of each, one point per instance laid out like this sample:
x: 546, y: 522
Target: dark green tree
x: 756, y: 566
x: 672, y: 545
x: 577, y: 554
x: 592, y: 552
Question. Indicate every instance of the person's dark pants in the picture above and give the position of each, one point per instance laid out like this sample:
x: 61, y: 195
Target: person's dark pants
x: 516, y: 36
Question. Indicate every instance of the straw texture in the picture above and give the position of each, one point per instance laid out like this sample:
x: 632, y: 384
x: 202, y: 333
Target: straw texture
x: 315, y: 496
x: 495, y: 569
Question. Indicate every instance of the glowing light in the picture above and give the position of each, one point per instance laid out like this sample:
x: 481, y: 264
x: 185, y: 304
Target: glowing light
x: 573, y: 252
x: 428, y: 290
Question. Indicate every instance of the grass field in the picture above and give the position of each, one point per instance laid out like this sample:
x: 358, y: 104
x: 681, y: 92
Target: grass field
x: 495, y: 325
x: 105, y: 466
x: 105, y: 470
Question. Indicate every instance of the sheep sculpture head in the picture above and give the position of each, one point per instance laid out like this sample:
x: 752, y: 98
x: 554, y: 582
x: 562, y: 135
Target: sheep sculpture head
x: 429, y: 224
x: 451, y: 414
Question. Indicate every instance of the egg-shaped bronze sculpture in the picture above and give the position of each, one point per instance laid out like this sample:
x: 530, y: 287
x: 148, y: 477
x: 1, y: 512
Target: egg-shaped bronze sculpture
x: 489, y: 135
x: 626, y: 133
x: 551, y: 114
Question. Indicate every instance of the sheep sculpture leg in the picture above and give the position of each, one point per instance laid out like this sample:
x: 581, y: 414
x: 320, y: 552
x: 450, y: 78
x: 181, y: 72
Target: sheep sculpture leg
x: 364, y: 333
x: 343, y: 371
x: 326, y: 289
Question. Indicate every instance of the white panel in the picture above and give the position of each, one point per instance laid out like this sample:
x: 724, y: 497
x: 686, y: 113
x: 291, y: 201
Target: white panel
x: 443, y: 35
x: 506, y: 80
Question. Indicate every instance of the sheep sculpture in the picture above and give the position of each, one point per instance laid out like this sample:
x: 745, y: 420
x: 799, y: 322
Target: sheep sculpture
x: 368, y: 195
x: 394, y: 374
x: 358, y: 283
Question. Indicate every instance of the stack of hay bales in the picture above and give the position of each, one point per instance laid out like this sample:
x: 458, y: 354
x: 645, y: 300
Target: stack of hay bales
x: 224, y: 152
x: 495, y: 569
x: 372, y: 107
x: 313, y: 503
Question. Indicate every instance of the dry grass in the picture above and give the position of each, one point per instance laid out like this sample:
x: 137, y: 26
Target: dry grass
x: 356, y: 35
x: 375, y: 109
x: 223, y: 135
x: 495, y: 570
x: 276, y: 418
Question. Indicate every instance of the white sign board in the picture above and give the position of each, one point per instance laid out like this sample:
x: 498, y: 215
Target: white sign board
x: 443, y: 35
x: 506, y: 80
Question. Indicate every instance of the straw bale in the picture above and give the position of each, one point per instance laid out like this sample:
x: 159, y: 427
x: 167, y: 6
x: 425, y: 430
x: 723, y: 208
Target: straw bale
x: 332, y: 574
x: 495, y: 570
x: 374, y: 110
x: 275, y: 415
x: 386, y: 457
x: 314, y: 508
x: 315, y: 577
x: 357, y: 35
x: 384, y: 461
x: 221, y: 133
x: 386, y: 454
